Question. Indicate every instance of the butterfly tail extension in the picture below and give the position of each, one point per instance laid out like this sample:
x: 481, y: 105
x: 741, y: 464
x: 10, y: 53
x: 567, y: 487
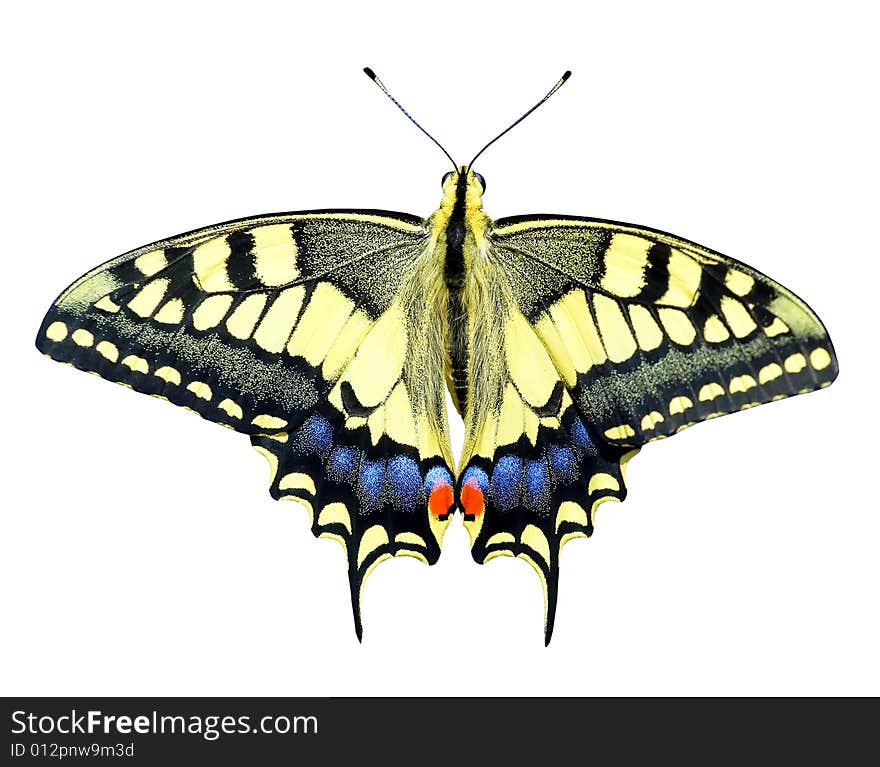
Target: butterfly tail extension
x: 371, y: 499
x: 531, y: 498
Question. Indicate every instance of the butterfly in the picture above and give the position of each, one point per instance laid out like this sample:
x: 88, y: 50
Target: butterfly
x: 330, y: 338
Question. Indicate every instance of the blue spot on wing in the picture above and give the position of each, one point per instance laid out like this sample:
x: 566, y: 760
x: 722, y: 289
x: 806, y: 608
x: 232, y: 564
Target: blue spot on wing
x: 315, y: 435
x: 372, y: 483
x: 536, y: 476
x: 373, y: 476
x: 580, y: 437
x: 564, y: 463
x: 475, y: 475
x: 405, y: 481
x: 435, y: 473
x: 342, y: 464
x: 506, y: 481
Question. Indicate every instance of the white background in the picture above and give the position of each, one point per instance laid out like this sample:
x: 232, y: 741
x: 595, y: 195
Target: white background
x: 140, y: 552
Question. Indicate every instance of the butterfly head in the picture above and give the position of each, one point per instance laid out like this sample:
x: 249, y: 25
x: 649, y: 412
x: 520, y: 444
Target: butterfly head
x: 451, y: 179
x: 463, y: 184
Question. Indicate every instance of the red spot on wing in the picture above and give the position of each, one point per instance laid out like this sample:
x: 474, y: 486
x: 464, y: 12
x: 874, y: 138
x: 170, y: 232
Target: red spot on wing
x: 440, y: 501
x: 472, y: 499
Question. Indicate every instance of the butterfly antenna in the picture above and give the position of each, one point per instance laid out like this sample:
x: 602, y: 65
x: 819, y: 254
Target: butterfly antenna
x: 553, y: 90
x: 372, y: 75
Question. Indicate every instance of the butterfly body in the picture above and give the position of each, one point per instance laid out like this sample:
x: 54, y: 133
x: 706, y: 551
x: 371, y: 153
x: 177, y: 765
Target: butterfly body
x: 331, y: 337
x: 458, y: 225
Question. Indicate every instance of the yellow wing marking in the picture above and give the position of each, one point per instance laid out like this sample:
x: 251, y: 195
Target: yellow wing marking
x: 320, y: 325
x: 679, y: 404
x: 738, y: 282
x: 529, y: 365
x: 678, y: 326
x: 148, y: 298
x: 742, y: 384
x: 399, y: 416
x: 411, y: 538
x: 769, y: 373
x: 684, y: 280
x: 343, y: 347
x: 376, y: 424
x: 210, y: 312
x: 775, y: 328
x: 171, y: 312
x: 624, y: 431
x: 613, y: 329
x: 562, y: 359
x: 715, y: 331
x: 150, y: 263
x: 795, y: 363
x: 820, y: 358
x: 648, y: 332
x: 201, y: 390
x: 710, y: 391
x: 577, y: 331
x: 268, y: 421
x: 625, y: 261
x: 297, y: 481
x: 335, y: 513
x: 378, y: 362
x: 137, y: 364
x: 242, y: 321
x: 569, y: 511
x: 737, y: 317
x: 510, y: 421
x: 108, y: 350
x: 232, y: 409
x: 82, y: 337
x: 277, y: 323
x: 209, y: 262
x: 372, y: 539
x: 602, y: 481
x: 533, y: 537
x: 651, y: 420
x: 107, y: 304
x: 275, y: 254
x: 169, y: 375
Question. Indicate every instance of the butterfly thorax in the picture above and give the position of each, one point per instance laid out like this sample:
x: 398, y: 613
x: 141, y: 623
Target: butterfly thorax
x: 459, y: 227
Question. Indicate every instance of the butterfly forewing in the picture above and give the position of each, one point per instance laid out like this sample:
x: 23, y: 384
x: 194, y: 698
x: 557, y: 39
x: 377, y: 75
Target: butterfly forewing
x: 653, y: 333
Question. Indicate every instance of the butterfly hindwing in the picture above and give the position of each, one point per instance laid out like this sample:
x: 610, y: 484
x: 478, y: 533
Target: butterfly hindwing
x: 373, y: 458
x: 296, y: 329
x: 533, y: 469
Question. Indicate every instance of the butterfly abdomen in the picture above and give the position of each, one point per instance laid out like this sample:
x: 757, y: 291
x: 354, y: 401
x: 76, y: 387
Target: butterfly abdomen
x: 455, y: 236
